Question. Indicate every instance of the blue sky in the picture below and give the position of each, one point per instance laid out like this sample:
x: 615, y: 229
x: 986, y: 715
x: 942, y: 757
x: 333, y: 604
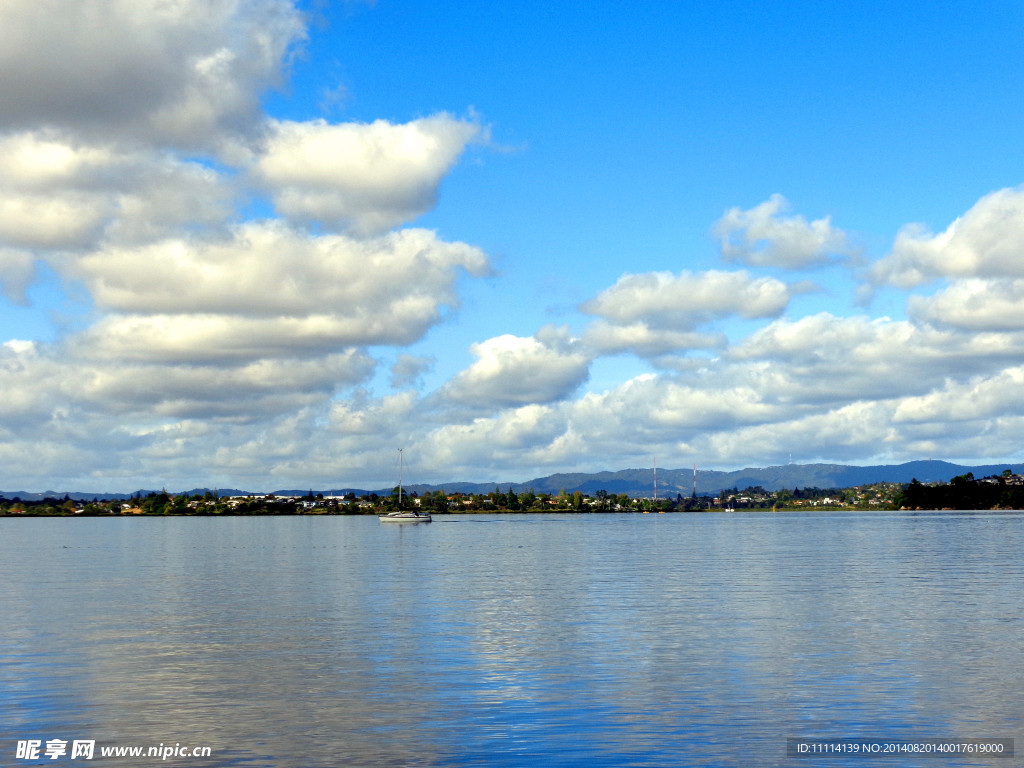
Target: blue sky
x: 263, y: 245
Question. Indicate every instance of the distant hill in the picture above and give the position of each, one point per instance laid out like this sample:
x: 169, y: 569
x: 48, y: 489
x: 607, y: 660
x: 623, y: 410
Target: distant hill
x: 640, y: 482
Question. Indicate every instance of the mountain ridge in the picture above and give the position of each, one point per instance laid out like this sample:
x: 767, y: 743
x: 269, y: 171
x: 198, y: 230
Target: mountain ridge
x: 637, y: 482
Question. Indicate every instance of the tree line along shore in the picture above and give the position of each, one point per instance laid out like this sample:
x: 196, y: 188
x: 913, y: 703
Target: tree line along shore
x: 1004, y: 491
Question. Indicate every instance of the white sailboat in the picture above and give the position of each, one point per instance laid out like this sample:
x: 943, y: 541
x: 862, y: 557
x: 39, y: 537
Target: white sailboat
x: 411, y: 516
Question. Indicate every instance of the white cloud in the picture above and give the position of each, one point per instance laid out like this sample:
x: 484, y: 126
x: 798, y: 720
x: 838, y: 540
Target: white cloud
x: 850, y: 432
x: 665, y: 407
x: 64, y: 416
x: 177, y: 72
x: 827, y: 359
x: 987, y: 241
x: 978, y: 399
x: 42, y: 161
x: 512, y: 370
x: 607, y: 338
x: 657, y: 313
x: 677, y: 419
x: 266, y: 269
x: 363, y: 419
x: 364, y: 177
x: 131, y: 137
x: 762, y: 237
x: 825, y: 339
x: 754, y: 414
x: 252, y: 392
x: 525, y: 436
x: 270, y: 290
x: 60, y: 193
x: 822, y: 386
x: 684, y: 301
x: 980, y: 417
x: 51, y: 222
x: 213, y: 339
x: 41, y: 384
x: 973, y: 305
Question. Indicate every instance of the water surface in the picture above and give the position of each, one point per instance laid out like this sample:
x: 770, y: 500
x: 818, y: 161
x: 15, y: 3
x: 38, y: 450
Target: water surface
x: 513, y: 640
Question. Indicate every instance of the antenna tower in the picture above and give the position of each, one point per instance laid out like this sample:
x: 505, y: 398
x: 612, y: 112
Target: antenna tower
x: 401, y: 466
x: 655, y: 478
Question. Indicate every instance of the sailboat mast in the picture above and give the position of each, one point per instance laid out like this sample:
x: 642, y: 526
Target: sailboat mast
x: 401, y: 464
x: 655, y: 478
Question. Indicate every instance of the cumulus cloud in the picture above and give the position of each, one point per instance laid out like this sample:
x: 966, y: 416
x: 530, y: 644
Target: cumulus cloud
x: 823, y: 386
x: 978, y: 399
x: 193, y: 423
x: 268, y: 290
x: 534, y: 436
x: 265, y: 268
x: 608, y: 338
x: 209, y: 339
x: 520, y: 428
x: 513, y: 370
x: 44, y: 222
x: 58, y: 193
x: 365, y: 419
x: 826, y: 338
x: 827, y: 359
x: 764, y: 237
x: 366, y: 178
x: 132, y: 141
x: 41, y: 386
x: 180, y: 73
x: 657, y: 313
x: 249, y: 393
x: 973, y: 305
x: 848, y: 432
x: 705, y: 418
x: 686, y: 300
x: 986, y: 242
x: 672, y: 408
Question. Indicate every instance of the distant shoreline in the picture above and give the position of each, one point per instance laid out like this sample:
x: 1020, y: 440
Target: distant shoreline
x: 1004, y: 490
x: 527, y: 513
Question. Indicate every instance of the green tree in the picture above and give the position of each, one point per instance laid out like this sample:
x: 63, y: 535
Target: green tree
x: 155, y: 503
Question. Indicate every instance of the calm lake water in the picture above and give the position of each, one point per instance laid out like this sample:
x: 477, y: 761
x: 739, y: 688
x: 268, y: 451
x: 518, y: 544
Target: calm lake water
x: 533, y: 640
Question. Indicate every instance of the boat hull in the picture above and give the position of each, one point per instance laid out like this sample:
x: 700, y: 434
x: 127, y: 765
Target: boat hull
x: 404, y: 518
